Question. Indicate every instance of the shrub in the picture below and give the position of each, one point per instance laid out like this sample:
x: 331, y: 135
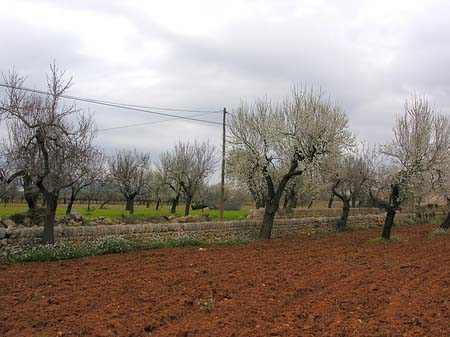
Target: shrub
x: 18, y: 217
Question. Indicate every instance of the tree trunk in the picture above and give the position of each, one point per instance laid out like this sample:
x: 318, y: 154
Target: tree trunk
x: 286, y: 200
x: 259, y: 203
x: 293, y: 200
x: 265, y: 231
x: 341, y: 225
x: 187, y: 207
x: 331, y: 200
x: 31, y: 195
x: 353, y: 201
x: 388, y: 222
x: 311, y: 203
x: 102, y: 205
x: 391, y: 211
x: 290, y: 200
x: 130, y: 205
x: 73, y: 196
x: 158, y: 202
x: 273, y: 200
x: 446, y: 224
x: 49, y: 224
x: 173, y: 208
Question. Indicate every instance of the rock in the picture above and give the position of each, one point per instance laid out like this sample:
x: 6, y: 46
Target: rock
x: 3, y: 242
x: 108, y: 222
x: 26, y: 221
x: 8, y: 223
x: 76, y: 216
x: 9, y: 231
x: 101, y: 218
x: 2, y: 232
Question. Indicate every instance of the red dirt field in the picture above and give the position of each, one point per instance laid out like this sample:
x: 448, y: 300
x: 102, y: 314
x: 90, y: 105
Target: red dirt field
x: 330, y: 285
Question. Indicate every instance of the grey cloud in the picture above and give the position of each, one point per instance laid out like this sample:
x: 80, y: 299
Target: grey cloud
x: 367, y: 67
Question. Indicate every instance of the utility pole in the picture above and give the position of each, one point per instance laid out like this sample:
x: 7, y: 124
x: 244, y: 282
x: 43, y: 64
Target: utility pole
x: 222, y: 182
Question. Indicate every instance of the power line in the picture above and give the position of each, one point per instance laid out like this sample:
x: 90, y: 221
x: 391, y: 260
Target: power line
x: 155, y: 108
x: 92, y: 100
x: 148, y: 123
x: 119, y: 105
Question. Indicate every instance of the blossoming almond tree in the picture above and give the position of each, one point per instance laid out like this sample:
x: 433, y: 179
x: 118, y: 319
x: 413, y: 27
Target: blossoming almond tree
x: 421, y: 146
x: 281, y: 140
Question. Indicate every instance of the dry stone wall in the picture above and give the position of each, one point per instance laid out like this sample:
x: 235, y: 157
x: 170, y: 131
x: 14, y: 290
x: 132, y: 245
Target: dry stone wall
x: 298, y: 213
x: 204, y: 231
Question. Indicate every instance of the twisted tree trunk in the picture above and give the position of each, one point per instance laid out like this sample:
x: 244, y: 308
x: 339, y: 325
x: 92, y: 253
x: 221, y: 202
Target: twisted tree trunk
x: 341, y: 225
x: 274, y: 197
x: 345, y: 197
x: 31, y: 195
x: 391, y: 211
x: 331, y: 200
x: 271, y: 208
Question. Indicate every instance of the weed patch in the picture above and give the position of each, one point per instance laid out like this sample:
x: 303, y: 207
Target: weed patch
x: 439, y: 232
x: 106, y: 245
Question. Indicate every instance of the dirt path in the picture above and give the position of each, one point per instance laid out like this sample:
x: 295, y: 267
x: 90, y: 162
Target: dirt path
x: 332, y: 285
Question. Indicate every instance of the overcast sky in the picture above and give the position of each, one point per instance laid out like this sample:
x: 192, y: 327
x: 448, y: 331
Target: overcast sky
x: 367, y: 55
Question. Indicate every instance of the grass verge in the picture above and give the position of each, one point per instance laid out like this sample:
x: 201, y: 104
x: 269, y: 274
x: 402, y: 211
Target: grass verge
x: 107, y: 245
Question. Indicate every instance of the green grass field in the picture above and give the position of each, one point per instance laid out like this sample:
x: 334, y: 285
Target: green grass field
x: 117, y: 211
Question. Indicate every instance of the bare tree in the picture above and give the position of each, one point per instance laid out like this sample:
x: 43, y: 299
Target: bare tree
x: 353, y: 175
x: 47, y: 139
x: 102, y: 189
x: 167, y: 172
x: 130, y: 171
x: 189, y: 165
x: 88, y: 172
x: 283, y: 140
x: 420, y: 146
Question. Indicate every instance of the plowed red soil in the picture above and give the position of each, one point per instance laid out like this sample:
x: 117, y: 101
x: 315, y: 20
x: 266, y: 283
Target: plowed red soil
x: 331, y: 285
